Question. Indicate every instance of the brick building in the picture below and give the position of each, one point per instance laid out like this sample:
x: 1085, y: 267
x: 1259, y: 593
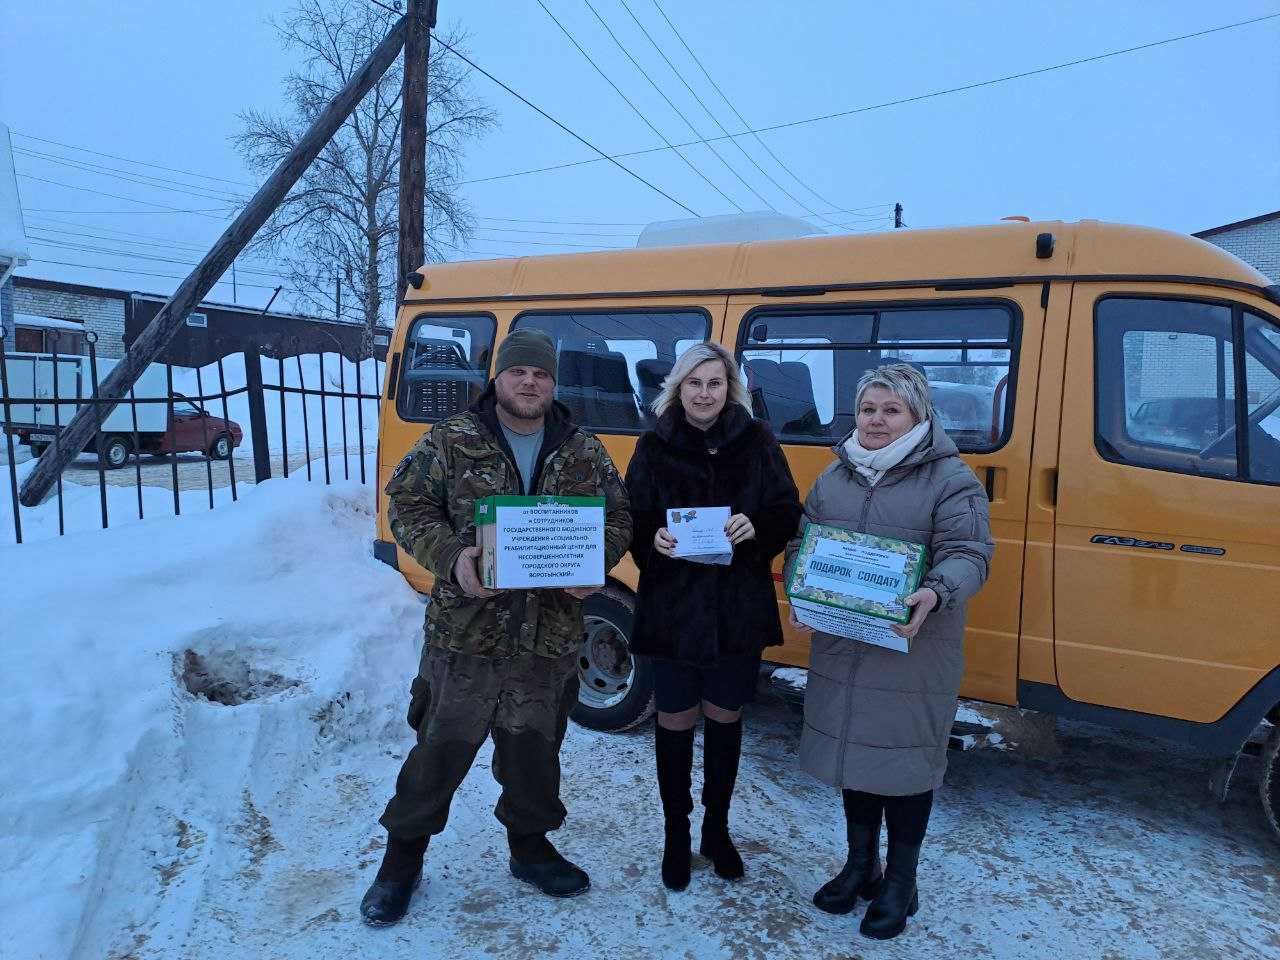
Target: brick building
x: 212, y: 329
x: 1256, y: 241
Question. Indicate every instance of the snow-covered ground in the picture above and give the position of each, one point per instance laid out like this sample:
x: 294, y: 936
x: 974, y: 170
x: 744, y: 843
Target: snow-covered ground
x: 142, y: 821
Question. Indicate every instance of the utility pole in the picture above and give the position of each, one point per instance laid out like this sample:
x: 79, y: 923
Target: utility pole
x: 234, y: 295
x: 214, y: 264
x: 421, y: 17
x: 337, y: 298
x: 897, y: 216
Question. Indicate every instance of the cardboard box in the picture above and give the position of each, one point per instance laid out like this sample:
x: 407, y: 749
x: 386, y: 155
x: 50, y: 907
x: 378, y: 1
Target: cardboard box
x: 853, y: 584
x: 531, y: 542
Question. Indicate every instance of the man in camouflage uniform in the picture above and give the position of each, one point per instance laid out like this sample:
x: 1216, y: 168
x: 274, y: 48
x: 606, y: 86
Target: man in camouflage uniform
x: 494, y: 662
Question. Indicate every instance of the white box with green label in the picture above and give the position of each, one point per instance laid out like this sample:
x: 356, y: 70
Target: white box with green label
x: 853, y: 584
x: 531, y: 542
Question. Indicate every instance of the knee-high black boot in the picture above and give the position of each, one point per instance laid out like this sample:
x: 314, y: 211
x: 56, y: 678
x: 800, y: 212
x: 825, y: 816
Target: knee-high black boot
x: 673, y: 750
x: 721, y: 750
x: 907, y: 818
x: 861, y: 874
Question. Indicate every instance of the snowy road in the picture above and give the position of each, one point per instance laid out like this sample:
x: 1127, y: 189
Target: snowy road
x: 1110, y: 849
x: 144, y: 822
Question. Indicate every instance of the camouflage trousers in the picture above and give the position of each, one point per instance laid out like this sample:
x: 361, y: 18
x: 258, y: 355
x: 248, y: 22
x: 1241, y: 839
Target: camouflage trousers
x: 457, y: 701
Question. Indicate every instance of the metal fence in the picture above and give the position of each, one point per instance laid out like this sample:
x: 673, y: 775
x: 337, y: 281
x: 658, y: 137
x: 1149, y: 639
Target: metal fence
x: 256, y: 390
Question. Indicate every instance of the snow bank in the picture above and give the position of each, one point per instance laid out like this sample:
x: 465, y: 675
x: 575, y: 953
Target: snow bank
x: 106, y: 758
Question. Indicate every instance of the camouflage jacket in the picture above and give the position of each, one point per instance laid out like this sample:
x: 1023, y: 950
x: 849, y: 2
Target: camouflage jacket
x: 433, y: 493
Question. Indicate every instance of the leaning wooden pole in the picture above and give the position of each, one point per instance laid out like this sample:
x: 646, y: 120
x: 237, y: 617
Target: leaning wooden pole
x: 411, y: 253
x: 197, y: 285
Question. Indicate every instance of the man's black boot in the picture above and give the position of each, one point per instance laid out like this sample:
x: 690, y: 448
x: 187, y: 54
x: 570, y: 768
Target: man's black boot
x: 886, y: 917
x: 674, y: 752
x: 861, y: 875
x: 387, y: 900
x: 721, y: 749
x: 534, y: 860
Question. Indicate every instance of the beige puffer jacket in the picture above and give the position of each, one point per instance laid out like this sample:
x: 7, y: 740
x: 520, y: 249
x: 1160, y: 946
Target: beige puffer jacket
x: 878, y: 720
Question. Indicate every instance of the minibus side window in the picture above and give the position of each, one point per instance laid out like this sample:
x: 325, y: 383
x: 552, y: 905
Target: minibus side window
x: 1262, y: 397
x: 612, y: 362
x: 445, y: 365
x: 1166, y: 385
x: 803, y: 367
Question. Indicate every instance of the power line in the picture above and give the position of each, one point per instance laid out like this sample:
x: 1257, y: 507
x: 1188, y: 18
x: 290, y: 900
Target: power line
x: 544, y: 243
x: 131, y: 176
x: 142, y: 163
x: 736, y: 113
x: 636, y: 110
x: 688, y: 123
x: 134, y: 255
x: 885, y: 104
x: 707, y: 110
x: 164, y: 244
x: 121, y: 213
x: 604, y: 156
x: 114, y: 196
x: 146, y: 273
x: 567, y: 223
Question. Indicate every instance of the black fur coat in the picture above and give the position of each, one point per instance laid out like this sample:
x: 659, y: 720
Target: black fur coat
x: 700, y: 613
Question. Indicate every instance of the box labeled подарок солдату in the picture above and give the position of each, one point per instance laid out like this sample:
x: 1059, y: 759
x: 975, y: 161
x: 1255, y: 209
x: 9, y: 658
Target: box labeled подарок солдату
x: 853, y: 584
x: 540, y: 541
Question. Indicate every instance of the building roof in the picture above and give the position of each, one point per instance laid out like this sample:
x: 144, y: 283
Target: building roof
x: 1005, y: 250
x: 40, y: 283
x: 13, y: 237
x: 1261, y: 218
x: 51, y: 323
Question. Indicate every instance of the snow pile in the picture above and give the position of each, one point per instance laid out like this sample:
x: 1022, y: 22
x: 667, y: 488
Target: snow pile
x: 115, y: 775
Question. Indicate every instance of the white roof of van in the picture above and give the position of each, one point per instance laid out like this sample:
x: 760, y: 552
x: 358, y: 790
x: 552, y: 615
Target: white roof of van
x: 13, y: 237
x: 727, y: 228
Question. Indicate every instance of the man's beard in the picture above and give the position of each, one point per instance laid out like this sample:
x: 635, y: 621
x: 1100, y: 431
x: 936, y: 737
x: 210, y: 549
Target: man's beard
x: 524, y: 409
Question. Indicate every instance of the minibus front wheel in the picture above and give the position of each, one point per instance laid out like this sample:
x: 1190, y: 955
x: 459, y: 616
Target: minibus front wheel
x: 615, y: 687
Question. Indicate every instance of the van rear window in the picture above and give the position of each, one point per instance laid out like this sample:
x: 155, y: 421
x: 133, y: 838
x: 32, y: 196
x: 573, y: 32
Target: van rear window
x: 612, y: 362
x: 803, y: 365
x: 445, y: 365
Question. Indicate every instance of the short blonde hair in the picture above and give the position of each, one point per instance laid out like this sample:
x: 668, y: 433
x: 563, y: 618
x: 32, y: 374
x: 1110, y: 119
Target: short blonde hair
x: 905, y: 382
x: 687, y: 362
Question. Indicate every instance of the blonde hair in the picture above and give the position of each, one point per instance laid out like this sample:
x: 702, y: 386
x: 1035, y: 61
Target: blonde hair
x: 687, y: 362
x: 905, y: 382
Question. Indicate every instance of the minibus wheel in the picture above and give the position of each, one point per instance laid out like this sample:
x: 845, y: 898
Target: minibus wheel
x: 615, y: 687
x: 1269, y: 785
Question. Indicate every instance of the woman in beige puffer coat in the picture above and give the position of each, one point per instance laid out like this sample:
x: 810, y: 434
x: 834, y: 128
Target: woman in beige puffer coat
x: 877, y: 721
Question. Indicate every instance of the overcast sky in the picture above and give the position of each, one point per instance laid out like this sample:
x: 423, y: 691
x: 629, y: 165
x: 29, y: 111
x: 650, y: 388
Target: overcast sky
x: 1183, y: 136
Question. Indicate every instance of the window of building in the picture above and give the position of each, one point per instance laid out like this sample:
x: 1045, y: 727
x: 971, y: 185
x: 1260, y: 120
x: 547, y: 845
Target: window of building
x: 803, y: 367
x: 612, y: 363
x: 1169, y: 395
x: 445, y: 365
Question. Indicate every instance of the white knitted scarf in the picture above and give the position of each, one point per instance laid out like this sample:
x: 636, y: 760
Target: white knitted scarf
x: 874, y: 464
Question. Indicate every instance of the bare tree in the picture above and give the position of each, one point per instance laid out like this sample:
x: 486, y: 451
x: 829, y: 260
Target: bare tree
x: 339, y: 224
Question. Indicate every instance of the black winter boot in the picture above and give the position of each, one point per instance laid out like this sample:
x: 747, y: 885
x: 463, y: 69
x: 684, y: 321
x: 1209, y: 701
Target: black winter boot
x: 535, y: 861
x: 861, y: 875
x: 674, y: 752
x: 721, y: 749
x: 886, y: 917
x: 387, y: 899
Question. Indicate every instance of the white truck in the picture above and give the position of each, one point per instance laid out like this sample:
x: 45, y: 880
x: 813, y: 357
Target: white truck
x: 37, y: 379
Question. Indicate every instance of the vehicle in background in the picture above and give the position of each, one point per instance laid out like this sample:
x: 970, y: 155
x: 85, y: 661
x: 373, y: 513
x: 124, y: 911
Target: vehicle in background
x: 158, y: 425
x: 1115, y: 389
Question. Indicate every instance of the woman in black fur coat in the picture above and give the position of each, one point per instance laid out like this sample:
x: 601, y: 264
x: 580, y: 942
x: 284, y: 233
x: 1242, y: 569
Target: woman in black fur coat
x: 705, y: 625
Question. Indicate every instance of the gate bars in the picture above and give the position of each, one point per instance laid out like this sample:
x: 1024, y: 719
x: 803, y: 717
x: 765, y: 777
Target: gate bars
x: 256, y: 391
